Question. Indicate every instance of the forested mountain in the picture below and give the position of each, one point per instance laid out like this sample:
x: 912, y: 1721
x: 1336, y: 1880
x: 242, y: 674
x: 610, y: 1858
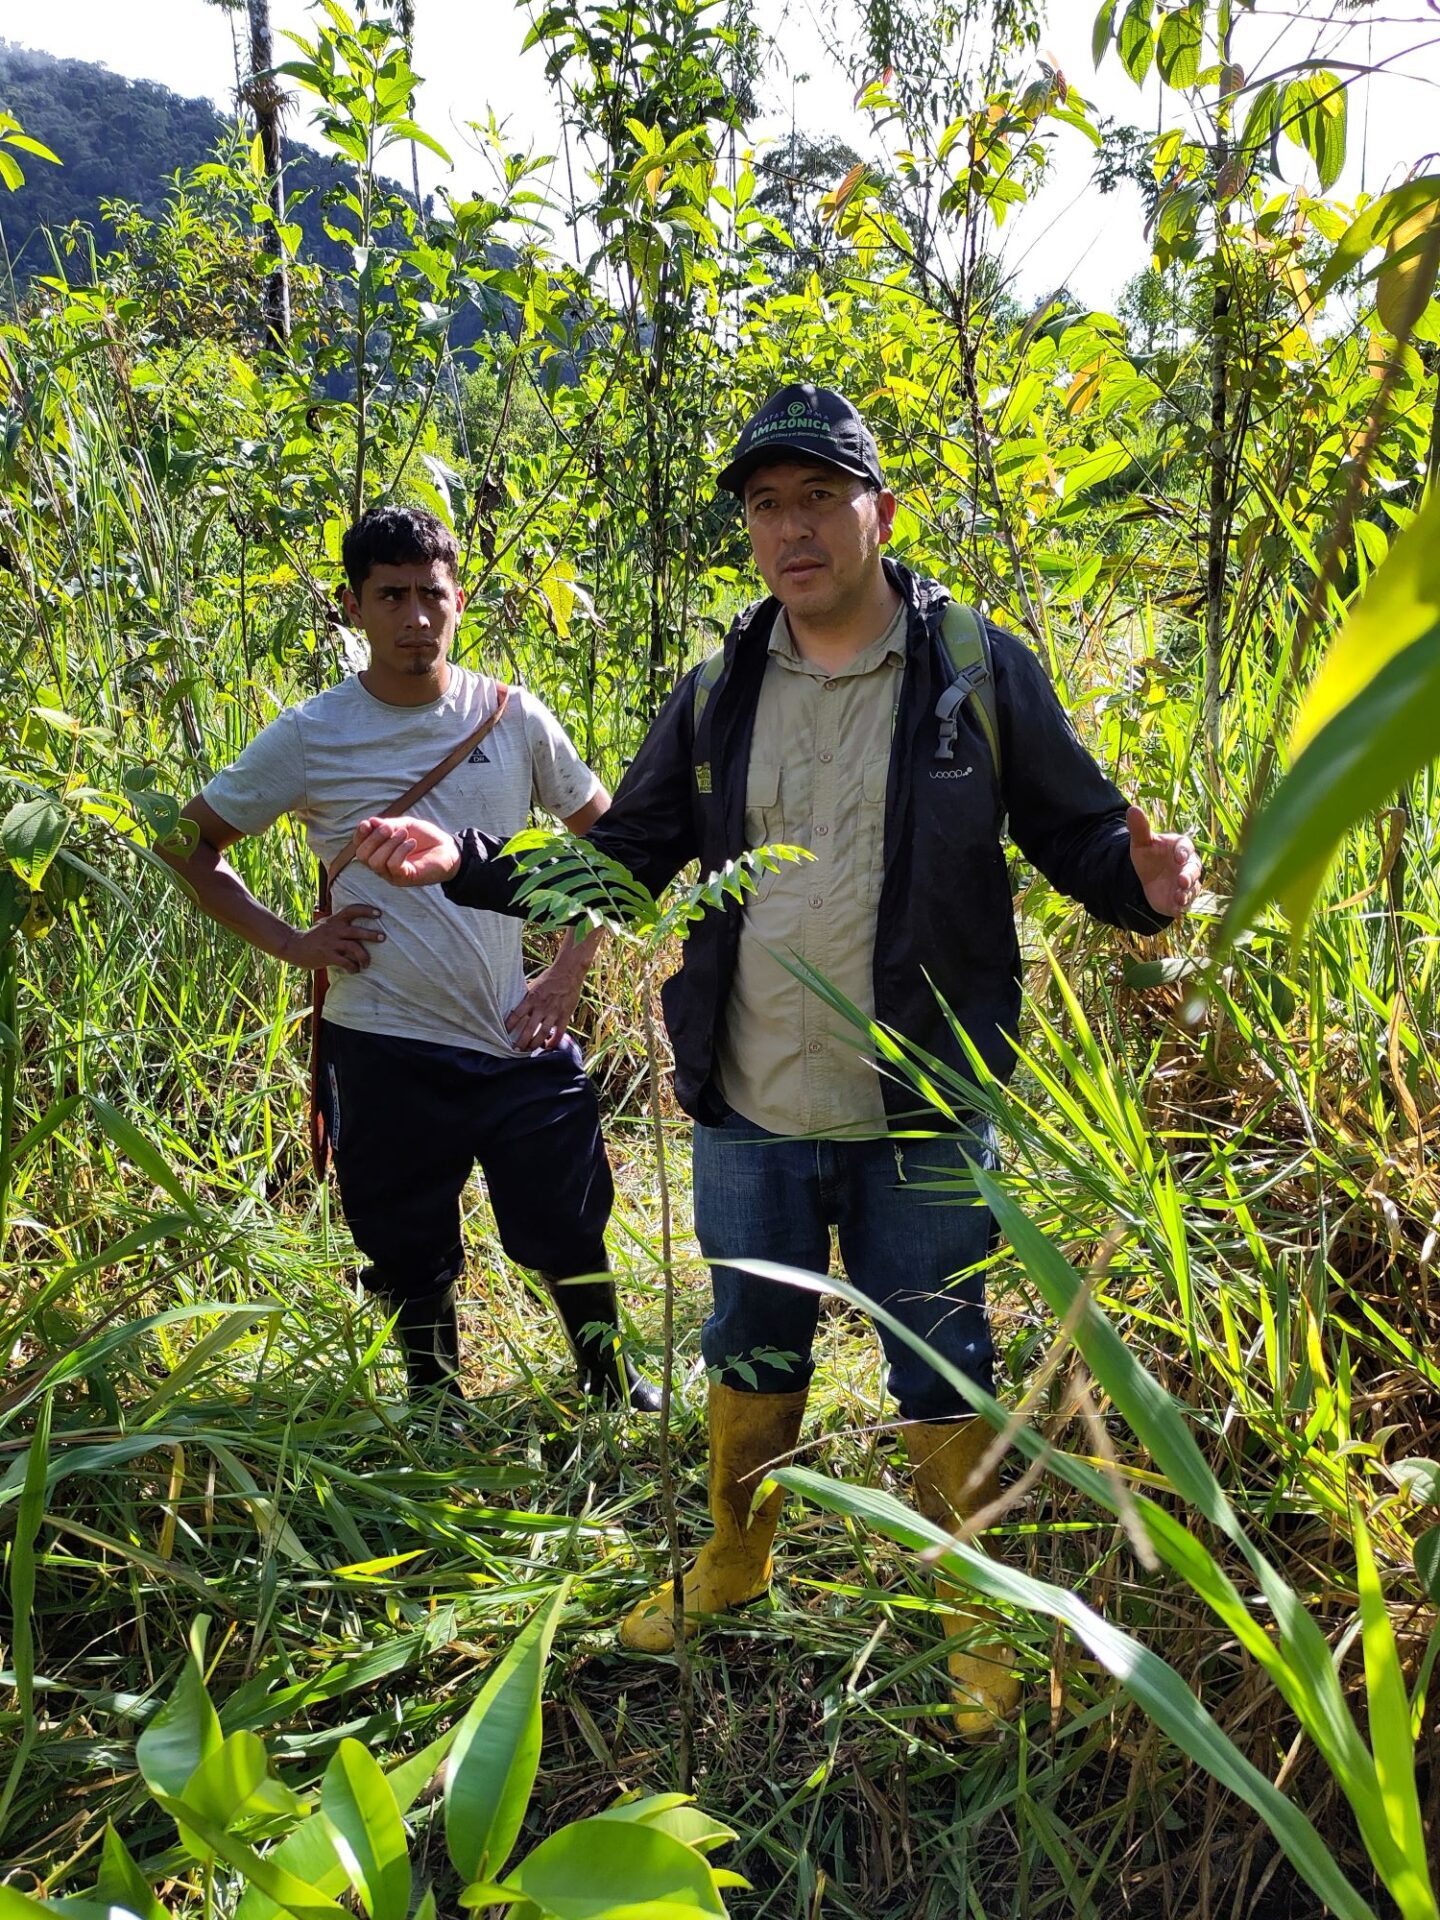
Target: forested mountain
x: 125, y: 140
x: 118, y: 139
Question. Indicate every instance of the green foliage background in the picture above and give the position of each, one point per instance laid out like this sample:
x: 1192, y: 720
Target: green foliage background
x: 1176, y: 505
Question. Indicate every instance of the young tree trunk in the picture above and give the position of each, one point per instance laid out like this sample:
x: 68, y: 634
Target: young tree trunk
x: 263, y: 96
x: 1217, y: 538
x: 405, y: 20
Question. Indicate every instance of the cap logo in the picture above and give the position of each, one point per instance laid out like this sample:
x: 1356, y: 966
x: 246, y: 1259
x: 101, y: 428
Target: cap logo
x: 797, y: 418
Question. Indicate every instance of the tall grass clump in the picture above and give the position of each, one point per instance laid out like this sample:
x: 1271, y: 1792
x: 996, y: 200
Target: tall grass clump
x: 1219, y: 1560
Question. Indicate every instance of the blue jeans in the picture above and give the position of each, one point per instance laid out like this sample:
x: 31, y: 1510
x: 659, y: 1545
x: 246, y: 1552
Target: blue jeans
x: 907, y: 1246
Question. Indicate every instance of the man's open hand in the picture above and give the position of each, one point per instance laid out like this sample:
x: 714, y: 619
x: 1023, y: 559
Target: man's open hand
x: 407, y: 852
x: 1167, y: 863
x: 543, y: 1017
x: 341, y: 941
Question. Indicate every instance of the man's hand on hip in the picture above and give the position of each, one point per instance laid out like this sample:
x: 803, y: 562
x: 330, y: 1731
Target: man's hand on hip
x: 407, y: 852
x: 341, y: 941
x: 1167, y: 863
x: 543, y: 1017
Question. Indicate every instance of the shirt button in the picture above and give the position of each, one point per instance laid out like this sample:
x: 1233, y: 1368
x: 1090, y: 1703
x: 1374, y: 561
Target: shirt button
x: 817, y: 899
x: 816, y: 1046
x: 827, y: 757
x: 821, y: 830
x: 830, y: 685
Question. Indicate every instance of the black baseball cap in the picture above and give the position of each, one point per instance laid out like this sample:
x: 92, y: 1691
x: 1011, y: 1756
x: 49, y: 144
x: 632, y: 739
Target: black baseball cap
x: 814, y: 422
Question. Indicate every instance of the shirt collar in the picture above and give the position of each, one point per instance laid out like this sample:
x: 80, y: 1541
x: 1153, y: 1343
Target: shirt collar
x: 889, y: 649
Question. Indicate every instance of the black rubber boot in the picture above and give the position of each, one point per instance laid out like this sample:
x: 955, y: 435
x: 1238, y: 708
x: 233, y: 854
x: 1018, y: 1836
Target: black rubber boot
x: 429, y: 1336
x: 585, y: 1308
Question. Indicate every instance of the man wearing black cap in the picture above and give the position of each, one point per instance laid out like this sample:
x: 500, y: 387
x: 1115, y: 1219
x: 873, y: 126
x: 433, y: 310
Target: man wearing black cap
x: 835, y: 719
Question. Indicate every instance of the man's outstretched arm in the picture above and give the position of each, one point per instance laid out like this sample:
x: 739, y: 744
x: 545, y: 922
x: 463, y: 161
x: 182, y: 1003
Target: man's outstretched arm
x: 543, y: 1016
x: 410, y: 852
x: 342, y: 941
x: 650, y: 830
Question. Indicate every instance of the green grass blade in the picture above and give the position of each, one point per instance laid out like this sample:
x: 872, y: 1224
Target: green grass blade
x: 22, y: 1597
x: 1413, y: 1890
x: 1150, y: 1681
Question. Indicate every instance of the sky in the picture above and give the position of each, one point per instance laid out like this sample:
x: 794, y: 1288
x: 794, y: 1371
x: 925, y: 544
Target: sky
x: 469, y: 53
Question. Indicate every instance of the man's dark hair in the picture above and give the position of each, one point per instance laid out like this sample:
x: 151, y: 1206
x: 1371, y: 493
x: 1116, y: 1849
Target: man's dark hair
x: 396, y: 537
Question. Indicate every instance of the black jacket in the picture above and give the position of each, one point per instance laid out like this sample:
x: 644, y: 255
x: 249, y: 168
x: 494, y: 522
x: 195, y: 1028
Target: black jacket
x: 945, y: 909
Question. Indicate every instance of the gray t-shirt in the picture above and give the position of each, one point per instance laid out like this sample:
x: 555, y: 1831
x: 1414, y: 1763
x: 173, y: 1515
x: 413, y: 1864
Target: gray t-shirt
x: 442, y: 973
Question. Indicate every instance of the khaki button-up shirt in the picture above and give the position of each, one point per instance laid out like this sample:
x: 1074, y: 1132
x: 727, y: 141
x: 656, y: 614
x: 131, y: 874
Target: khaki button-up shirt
x: 819, y: 761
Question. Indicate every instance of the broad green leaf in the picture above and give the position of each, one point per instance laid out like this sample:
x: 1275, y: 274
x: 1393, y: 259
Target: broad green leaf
x: 1427, y: 1562
x: 234, y: 1785
x: 26, y: 144
x: 121, y: 1883
x: 290, y: 1894
x: 1103, y: 464
x: 159, y: 811
x: 1313, y: 114
x: 612, y: 1867
x: 308, y: 1853
x: 1260, y: 122
x: 1420, y: 1478
x: 1136, y: 41
x: 367, y: 1830
x: 307, y: 1856
x: 408, y: 130
x: 1374, y: 226
x: 32, y: 833
x: 1102, y: 32
x: 75, y: 1909
x: 1178, y: 46
x: 675, y: 1814
x: 1150, y: 1681
x: 1407, y: 278
x: 491, y: 1768
x: 185, y: 1731
x: 15, y: 1905
x: 222, y: 1785
x: 1370, y: 721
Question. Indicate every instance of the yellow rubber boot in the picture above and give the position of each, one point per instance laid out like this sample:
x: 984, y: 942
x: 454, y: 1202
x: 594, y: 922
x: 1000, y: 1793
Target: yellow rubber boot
x: 749, y: 1432
x: 943, y: 1463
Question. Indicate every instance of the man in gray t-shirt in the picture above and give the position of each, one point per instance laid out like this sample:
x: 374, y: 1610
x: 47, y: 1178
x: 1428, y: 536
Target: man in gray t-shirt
x: 431, y: 1038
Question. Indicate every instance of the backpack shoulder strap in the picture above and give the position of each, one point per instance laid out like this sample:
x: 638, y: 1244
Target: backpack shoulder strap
x: 706, y: 678
x: 972, y: 678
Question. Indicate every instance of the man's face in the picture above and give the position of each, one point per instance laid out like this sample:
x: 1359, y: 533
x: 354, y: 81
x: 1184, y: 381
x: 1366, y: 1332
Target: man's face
x: 817, y: 534
x: 408, y: 614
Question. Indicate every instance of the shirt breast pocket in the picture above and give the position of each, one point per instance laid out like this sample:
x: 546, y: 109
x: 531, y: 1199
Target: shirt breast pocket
x: 870, y: 840
x: 764, y: 815
x: 763, y: 821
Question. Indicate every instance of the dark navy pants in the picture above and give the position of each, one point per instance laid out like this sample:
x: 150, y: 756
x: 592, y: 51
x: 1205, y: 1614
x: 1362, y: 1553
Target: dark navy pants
x: 411, y: 1119
x: 906, y: 1243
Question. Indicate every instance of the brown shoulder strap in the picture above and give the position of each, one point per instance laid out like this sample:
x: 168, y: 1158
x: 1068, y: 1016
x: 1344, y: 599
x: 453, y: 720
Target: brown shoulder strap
x: 433, y: 778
